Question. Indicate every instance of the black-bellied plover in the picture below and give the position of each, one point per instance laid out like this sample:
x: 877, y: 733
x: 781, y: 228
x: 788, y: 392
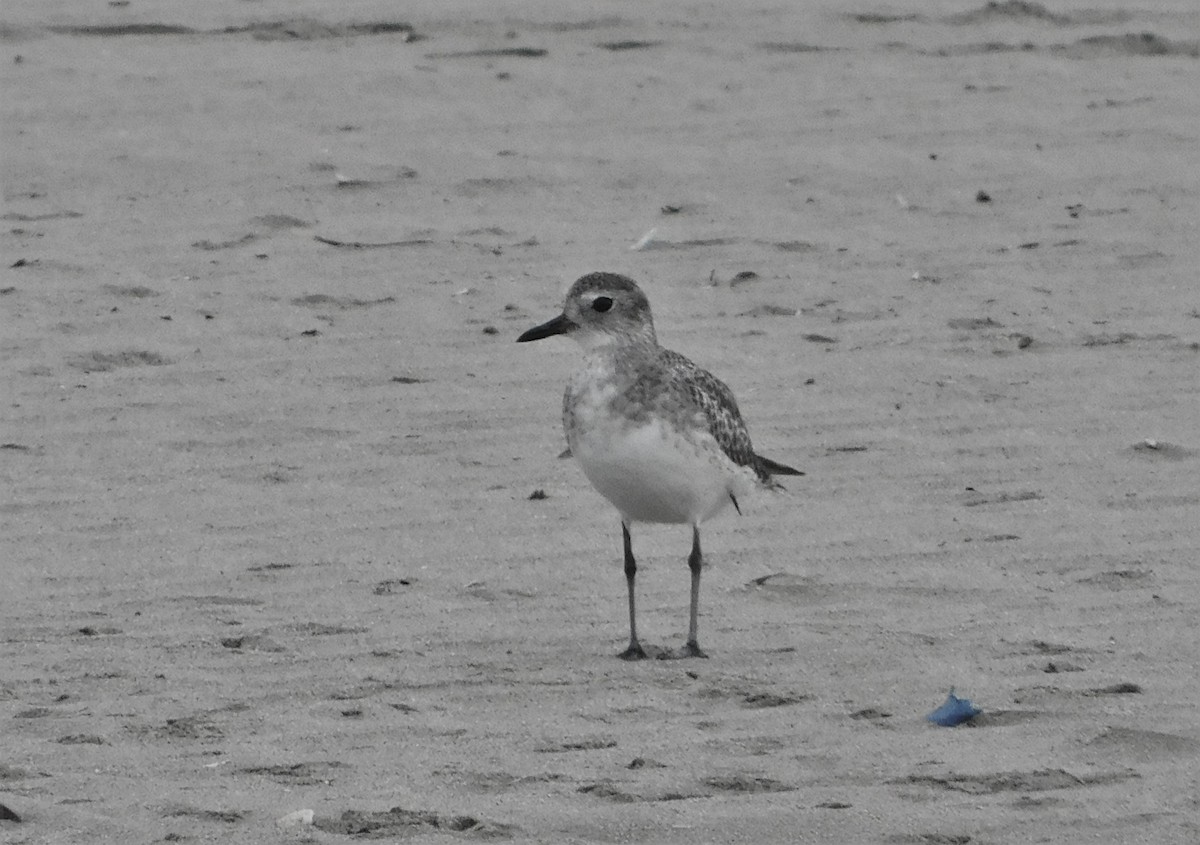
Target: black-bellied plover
x: 659, y: 437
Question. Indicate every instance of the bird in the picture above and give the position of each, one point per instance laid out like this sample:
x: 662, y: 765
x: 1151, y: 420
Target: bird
x: 658, y: 436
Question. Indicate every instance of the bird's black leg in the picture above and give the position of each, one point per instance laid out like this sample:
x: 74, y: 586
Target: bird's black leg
x: 635, y: 650
x: 695, y: 562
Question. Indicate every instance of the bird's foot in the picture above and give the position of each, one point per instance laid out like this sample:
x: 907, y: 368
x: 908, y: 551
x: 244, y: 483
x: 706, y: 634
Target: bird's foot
x: 689, y: 650
x: 634, y: 652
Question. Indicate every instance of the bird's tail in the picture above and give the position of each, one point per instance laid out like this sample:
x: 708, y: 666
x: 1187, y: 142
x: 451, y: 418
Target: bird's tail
x: 765, y: 467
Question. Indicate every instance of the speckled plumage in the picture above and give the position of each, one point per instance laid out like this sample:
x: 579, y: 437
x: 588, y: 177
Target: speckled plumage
x: 659, y: 437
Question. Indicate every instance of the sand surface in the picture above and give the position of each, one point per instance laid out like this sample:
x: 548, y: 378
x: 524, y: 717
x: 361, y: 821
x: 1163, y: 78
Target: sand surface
x: 268, y: 532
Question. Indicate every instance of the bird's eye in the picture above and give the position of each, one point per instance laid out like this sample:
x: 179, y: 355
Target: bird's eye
x: 601, y: 303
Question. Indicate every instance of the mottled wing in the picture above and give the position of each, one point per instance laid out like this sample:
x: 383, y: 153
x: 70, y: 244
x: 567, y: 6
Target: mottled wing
x: 714, y: 399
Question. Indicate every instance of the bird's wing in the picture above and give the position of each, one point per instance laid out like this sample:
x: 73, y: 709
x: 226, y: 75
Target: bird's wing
x: 704, y: 392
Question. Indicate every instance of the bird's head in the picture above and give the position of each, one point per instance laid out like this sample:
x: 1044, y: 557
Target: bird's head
x: 601, y: 309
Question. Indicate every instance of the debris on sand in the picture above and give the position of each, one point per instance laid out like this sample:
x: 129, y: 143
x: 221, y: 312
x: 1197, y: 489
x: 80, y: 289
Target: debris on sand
x: 954, y: 711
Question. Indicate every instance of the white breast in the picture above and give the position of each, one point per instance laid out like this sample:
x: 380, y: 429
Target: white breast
x: 650, y: 470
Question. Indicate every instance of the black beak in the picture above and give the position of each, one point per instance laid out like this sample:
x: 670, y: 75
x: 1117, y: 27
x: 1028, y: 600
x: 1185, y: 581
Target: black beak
x: 559, y: 325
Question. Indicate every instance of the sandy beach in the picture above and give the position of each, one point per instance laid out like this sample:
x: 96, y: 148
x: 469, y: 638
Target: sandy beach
x: 289, y: 554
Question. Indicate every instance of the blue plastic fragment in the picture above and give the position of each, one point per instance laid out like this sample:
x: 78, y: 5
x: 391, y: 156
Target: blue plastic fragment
x: 954, y: 712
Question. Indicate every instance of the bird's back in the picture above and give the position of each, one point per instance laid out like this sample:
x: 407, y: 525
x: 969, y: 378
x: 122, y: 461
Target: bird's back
x: 714, y: 398
x: 704, y: 392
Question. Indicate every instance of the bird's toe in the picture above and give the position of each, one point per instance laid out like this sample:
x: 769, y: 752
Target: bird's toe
x: 634, y: 652
x: 683, y: 653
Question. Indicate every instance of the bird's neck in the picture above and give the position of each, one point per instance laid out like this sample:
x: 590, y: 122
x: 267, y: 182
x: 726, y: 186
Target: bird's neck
x: 611, y: 342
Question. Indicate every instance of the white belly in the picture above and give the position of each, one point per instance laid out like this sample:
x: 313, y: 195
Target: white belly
x: 652, y: 473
